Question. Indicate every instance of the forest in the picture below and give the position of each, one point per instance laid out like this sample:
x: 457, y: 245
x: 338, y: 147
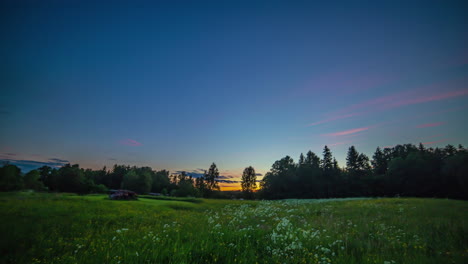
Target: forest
x: 403, y: 170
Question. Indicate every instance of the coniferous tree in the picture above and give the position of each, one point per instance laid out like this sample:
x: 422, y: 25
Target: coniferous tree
x: 327, y: 167
x: 312, y: 159
x: 352, y: 160
x: 327, y: 161
x: 301, y: 161
x: 335, y: 164
x: 379, y: 162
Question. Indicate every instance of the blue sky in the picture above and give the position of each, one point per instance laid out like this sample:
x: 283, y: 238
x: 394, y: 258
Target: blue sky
x: 177, y: 85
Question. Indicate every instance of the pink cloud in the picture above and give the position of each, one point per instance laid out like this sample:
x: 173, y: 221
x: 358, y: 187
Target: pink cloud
x: 368, y: 106
x: 433, y: 136
x: 433, y: 142
x: 333, y: 119
x: 349, y: 83
x: 410, y: 97
x: 130, y: 142
x: 339, y: 143
x: 374, y: 104
x: 348, y: 132
x: 430, y: 125
x: 425, y: 99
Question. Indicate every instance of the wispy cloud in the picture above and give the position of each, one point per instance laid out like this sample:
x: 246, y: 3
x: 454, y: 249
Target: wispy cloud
x: 346, y: 82
x: 333, y: 119
x: 339, y: 143
x: 27, y: 165
x: 59, y: 160
x: 197, y: 173
x: 377, y: 102
x: 226, y: 177
x: 434, y: 142
x: 428, y: 98
x: 426, y: 139
x: 415, y: 96
x: 430, y: 125
x: 227, y: 181
x: 348, y: 132
x: 130, y: 142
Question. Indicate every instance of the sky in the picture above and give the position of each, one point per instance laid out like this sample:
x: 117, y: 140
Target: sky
x: 178, y: 85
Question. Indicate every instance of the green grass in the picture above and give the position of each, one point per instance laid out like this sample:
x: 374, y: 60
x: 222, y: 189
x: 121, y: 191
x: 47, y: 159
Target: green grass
x: 66, y: 228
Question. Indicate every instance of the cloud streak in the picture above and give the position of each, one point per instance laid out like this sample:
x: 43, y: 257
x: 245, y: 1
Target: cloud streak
x: 332, y: 119
x: 59, y: 160
x: 396, y: 100
x: 430, y: 125
x: 28, y: 165
x: 339, y: 143
x: 434, y: 142
x: 431, y: 98
x: 130, y: 142
x: 197, y: 173
x: 347, y: 132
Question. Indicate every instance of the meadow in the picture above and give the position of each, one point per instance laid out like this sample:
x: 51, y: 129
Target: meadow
x: 67, y: 228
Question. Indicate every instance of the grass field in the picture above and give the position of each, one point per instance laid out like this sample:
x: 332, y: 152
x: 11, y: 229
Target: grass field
x: 65, y: 228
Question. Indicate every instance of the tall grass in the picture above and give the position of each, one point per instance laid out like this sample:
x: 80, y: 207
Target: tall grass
x: 65, y: 228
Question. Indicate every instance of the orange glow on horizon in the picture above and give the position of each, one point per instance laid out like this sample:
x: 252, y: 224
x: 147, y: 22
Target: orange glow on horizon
x: 230, y: 188
x: 233, y: 187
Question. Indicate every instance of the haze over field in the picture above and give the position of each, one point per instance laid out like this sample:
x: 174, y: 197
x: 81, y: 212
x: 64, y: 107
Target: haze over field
x: 179, y: 85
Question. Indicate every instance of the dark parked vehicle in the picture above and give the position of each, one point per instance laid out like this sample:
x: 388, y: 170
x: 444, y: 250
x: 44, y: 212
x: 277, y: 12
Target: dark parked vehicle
x: 122, y: 195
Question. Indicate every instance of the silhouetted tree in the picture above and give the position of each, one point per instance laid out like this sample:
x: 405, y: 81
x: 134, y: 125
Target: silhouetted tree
x: 185, y: 186
x: 113, y: 180
x: 455, y: 174
x: 352, y: 160
x: 379, y: 162
x: 211, y: 178
x: 312, y: 160
x: 137, y: 181
x: 10, y: 178
x: 327, y: 167
x: 327, y: 161
x: 70, y: 178
x: 301, y: 161
x: 160, y: 181
x: 45, y: 172
x: 405, y: 170
x: 249, y: 181
x: 200, y: 184
x: 32, y: 180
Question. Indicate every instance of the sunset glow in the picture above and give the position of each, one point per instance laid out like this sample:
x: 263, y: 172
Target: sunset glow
x: 178, y: 87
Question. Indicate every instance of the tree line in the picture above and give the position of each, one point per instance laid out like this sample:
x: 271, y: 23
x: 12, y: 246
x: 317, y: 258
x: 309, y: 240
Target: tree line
x: 402, y: 170
x: 142, y: 180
